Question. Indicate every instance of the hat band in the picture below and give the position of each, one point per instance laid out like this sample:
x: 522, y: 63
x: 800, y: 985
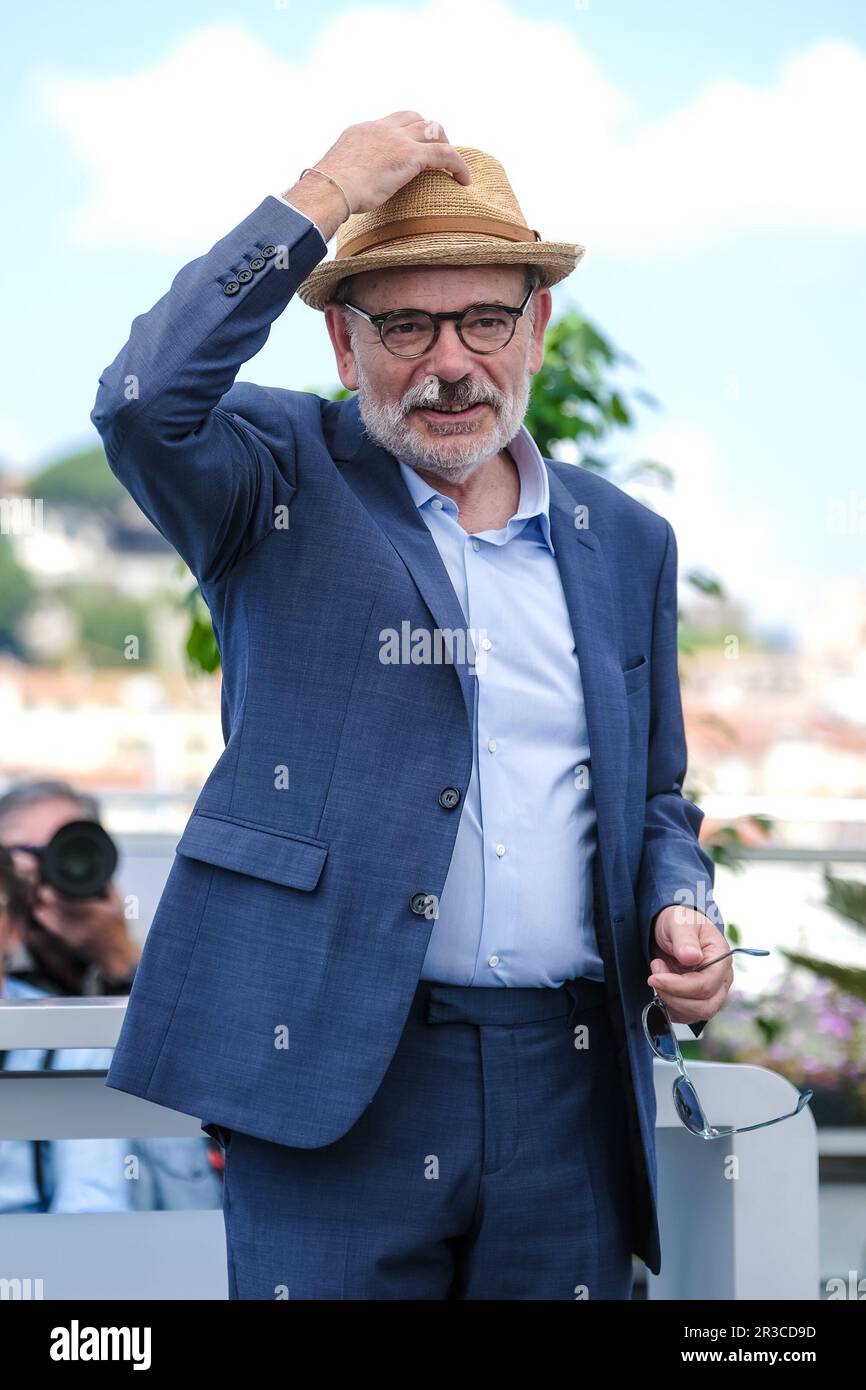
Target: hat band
x: 421, y: 226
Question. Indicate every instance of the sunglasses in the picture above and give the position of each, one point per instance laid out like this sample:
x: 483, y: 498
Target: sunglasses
x: 662, y: 1039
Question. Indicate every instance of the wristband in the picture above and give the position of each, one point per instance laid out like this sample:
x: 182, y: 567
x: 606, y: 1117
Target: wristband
x: 333, y: 181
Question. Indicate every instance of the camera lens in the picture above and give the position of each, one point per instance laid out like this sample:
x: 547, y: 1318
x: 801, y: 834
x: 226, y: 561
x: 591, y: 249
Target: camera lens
x: 80, y: 859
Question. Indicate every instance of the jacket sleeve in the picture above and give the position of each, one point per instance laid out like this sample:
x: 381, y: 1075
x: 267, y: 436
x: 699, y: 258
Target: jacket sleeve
x: 674, y: 868
x: 205, y: 480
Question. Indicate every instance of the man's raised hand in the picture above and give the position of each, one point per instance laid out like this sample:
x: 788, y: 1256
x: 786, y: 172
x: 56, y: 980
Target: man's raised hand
x: 374, y: 159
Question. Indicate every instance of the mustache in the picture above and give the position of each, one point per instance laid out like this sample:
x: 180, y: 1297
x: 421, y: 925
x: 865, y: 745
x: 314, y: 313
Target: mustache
x: 455, y: 396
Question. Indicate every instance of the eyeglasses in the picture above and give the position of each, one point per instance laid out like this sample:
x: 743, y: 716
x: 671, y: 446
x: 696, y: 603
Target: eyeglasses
x: 663, y: 1041
x: 483, y: 328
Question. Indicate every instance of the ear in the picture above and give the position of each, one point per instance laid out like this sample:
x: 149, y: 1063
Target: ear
x: 543, y: 310
x: 345, y: 357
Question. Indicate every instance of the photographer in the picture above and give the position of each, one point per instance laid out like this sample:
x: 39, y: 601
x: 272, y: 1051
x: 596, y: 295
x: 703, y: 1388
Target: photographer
x: 70, y: 946
x: 73, y: 940
x: 57, y: 1175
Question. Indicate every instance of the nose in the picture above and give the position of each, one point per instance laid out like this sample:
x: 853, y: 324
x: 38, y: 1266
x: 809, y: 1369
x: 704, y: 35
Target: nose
x: 448, y: 358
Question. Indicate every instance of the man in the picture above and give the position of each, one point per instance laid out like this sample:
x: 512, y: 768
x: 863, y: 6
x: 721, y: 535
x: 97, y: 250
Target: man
x: 56, y: 1175
x: 71, y: 946
x: 82, y: 946
x: 401, y: 956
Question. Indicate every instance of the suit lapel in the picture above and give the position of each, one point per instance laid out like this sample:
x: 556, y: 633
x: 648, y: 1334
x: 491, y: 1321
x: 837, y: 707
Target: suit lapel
x: 374, y: 476
x: 589, y: 597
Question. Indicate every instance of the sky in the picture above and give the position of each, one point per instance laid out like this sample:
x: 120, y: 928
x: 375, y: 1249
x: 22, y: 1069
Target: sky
x: 708, y: 156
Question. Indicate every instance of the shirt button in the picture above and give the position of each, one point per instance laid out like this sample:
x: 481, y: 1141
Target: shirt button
x: 486, y: 643
x: 500, y: 850
x: 476, y: 545
x: 492, y: 960
x: 491, y: 744
x: 437, y: 503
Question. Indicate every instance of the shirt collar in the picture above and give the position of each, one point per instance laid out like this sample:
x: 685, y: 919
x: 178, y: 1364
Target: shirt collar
x: 534, y: 485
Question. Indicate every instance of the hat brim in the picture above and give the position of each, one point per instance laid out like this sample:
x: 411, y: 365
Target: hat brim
x: 554, y: 259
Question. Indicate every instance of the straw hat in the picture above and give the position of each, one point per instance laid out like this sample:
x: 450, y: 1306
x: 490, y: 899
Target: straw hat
x: 434, y: 220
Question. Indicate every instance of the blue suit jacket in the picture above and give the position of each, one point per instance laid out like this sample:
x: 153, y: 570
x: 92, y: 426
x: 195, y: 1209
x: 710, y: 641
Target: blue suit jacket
x: 279, y: 968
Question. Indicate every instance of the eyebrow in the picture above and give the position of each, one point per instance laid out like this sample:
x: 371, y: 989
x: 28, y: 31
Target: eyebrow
x: 404, y: 308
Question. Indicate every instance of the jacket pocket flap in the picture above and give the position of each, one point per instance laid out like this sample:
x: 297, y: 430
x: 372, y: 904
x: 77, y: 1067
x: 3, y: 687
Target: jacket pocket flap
x: 246, y: 849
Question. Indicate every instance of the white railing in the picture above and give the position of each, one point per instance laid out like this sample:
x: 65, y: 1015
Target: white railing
x: 739, y: 1218
x: 99, y: 1255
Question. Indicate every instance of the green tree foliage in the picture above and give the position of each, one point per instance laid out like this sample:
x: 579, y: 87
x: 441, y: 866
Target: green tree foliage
x: 111, y: 625
x: 577, y: 398
x: 18, y: 593
x: 847, y: 897
x: 82, y: 480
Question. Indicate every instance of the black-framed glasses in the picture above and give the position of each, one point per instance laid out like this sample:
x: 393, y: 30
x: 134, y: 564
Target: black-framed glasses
x: 663, y: 1040
x: 482, y: 328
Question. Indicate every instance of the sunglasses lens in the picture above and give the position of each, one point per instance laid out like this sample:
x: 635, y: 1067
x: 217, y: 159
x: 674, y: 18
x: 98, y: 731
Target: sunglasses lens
x: 688, y: 1106
x: 662, y: 1038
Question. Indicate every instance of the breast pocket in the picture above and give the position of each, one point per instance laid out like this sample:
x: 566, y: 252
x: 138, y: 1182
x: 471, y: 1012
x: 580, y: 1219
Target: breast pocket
x: 636, y: 677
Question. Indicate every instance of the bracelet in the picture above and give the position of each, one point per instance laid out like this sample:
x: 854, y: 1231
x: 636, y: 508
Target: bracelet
x: 333, y: 181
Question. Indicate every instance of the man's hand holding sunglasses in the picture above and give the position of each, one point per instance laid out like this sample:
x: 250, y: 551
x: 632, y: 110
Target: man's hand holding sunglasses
x: 685, y: 941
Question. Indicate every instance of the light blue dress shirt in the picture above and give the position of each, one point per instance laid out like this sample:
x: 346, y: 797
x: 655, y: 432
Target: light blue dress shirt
x: 516, y: 908
x: 80, y: 1174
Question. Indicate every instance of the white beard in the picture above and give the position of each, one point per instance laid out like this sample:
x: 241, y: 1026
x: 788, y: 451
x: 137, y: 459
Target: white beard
x: 454, y: 454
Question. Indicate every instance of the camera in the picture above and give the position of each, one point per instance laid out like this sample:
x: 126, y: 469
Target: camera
x: 79, y: 860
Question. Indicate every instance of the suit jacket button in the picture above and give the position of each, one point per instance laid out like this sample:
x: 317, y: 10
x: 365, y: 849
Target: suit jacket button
x: 449, y: 797
x: 244, y: 276
x: 269, y: 252
x: 419, y: 903
x: 257, y: 263
x: 231, y: 287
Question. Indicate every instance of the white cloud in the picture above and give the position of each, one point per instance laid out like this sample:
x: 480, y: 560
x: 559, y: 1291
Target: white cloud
x: 742, y: 543
x: 175, y: 153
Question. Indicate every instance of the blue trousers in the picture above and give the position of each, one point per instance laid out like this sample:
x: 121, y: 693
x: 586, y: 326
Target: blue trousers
x: 492, y: 1163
